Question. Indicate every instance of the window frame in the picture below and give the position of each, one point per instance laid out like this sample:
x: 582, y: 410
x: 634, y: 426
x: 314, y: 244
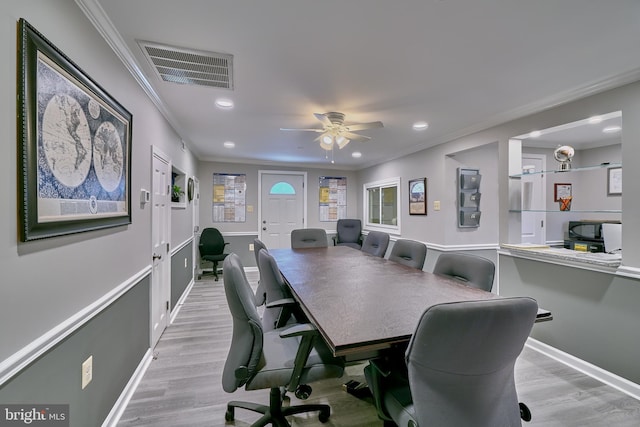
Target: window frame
x: 380, y: 184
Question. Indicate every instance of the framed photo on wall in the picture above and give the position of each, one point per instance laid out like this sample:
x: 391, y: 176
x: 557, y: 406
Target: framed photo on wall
x: 418, y: 196
x: 614, y: 181
x: 561, y: 191
x: 74, y: 144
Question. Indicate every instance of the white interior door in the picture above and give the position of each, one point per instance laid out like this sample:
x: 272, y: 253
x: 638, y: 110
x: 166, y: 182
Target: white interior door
x: 533, y: 199
x: 282, y: 207
x: 160, y: 232
x: 196, y: 224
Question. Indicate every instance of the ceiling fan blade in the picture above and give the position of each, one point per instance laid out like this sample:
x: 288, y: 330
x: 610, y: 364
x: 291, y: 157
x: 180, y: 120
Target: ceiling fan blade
x: 355, y: 137
x: 305, y: 130
x: 363, y: 126
x: 323, y: 119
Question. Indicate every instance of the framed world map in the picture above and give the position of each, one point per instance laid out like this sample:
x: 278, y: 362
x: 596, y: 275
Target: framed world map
x: 74, y: 142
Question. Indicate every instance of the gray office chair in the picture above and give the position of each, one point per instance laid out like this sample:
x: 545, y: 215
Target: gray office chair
x: 348, y: 233
x: 470, y: 270
x: 286, y: 357
x: 460, y: 366
x: 279, y: 303
x: 260, y: 292
x: 309, y: 238
x: 376, y: 243
x: 409, y: 253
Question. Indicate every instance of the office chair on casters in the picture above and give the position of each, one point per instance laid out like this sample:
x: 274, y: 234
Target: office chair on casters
x: 376, y: 243
x: 348, y: 233
x: 409, y: 253
x: 308, y: 238
x: 211, y: 247
x: 460, y: 367
x: 280, y: 305
x: 288, y: 357
x: 471, y: 270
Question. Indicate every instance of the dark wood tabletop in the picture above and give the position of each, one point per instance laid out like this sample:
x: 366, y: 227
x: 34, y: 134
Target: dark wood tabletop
x: 361, y: 303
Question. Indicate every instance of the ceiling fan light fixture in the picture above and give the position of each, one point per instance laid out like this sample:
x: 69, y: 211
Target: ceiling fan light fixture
x: 326, y: 142
x: 341, y: 141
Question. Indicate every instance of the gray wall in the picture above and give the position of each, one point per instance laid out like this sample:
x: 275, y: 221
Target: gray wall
x: 48, y: 284
x: 181, y: 272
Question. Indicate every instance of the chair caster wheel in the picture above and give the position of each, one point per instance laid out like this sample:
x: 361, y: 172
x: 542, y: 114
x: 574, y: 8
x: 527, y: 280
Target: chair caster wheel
x: 525, y: 413
x: 324, y: 416
x: 303, y: 392
x: 228, y: 415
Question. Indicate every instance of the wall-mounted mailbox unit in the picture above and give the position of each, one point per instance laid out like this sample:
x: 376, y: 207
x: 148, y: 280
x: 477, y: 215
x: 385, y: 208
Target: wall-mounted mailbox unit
x: 469, y: 197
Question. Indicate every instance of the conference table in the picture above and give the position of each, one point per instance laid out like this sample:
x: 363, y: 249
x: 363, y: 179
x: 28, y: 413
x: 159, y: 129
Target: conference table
x: 362, y: 304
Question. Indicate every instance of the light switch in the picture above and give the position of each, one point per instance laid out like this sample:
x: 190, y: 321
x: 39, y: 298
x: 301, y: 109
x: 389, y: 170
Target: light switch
x: 436, y: 205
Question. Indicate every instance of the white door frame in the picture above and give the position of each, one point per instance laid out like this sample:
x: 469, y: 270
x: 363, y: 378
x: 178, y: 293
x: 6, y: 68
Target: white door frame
x: 277, y: 172
x: 195, y: 221
x: 160, y: 288
x: 539, y: 215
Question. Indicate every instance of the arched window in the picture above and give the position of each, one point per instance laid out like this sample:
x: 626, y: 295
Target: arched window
x: 282, y: 188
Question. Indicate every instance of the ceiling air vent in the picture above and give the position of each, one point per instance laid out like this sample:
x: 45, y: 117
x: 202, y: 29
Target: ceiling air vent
x: 190, y: 67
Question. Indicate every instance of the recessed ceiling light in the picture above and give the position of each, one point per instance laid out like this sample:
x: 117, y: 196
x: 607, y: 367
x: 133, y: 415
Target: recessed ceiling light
x: 595, y: 120
x: 535, y: 134
x: 229, y: 144
x: 420, y: 125
x: 356, y: 154
x: 224, y: 103
x: 612, y: 129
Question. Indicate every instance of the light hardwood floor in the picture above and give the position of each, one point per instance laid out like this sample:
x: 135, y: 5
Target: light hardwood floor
x: 182, y: 386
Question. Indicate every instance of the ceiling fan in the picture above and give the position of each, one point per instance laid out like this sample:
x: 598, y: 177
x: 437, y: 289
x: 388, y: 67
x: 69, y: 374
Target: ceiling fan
x: 335, y: 131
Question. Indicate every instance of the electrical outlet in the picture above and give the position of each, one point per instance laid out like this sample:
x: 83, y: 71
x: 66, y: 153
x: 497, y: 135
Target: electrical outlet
x: 87, y: 371
x: 436, y: 205
x: 250, y: 247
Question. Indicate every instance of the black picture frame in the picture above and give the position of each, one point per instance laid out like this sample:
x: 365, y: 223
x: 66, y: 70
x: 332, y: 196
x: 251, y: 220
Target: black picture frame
x: 418, y: 196
x: 74, y: 143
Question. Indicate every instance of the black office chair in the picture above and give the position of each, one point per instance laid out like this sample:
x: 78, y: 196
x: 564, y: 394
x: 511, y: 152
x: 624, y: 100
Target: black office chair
x: 260, y: 292
x: 409, y: 253
x: 468, y: 269
x: 459, y: 367
x: 211, y: 247
x: 280, y: 305
x: 309, y: 238
x: 288, y: 357
x: 348, y: 233
x: 376, y: 243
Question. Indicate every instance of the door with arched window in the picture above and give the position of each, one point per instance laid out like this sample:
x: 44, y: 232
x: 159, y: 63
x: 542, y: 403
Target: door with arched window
x: 282, y: 207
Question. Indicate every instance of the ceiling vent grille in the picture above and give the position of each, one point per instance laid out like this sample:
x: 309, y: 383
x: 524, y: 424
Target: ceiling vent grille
x: 190, y: 67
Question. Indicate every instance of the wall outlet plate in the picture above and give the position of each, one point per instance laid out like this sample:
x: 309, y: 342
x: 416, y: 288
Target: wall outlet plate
x: 87, y: 371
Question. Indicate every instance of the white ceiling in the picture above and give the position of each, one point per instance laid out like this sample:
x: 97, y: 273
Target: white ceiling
x: 460, y: 65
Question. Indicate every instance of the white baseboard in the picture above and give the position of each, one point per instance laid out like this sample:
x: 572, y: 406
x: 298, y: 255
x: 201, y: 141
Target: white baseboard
x: 122, y: 402
x: 628, y: 387
x: 185, y: 294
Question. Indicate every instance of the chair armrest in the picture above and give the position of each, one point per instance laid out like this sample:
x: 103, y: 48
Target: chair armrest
x: 283, y: 302
x: 307, y: 332
x: 381, y: 366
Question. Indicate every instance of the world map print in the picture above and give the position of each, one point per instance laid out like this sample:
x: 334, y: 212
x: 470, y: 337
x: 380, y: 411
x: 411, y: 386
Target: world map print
x: 82, y: 152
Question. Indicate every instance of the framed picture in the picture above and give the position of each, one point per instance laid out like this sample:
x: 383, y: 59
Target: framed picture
x: 74, y: 144
x: 614, y: 181
x: 561, y: 191
x: 418, y: 196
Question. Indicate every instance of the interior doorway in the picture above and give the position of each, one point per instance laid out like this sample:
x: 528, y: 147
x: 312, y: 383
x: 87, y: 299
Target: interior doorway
x: 533, y: 199
x: 160, y: 237
x: 282, y: 206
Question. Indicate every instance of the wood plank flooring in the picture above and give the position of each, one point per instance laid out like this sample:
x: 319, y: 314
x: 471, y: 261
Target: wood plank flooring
x: 182, y: 386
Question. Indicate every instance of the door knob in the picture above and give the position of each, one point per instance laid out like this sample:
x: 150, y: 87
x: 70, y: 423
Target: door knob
x: 264, y: 228
x: 156, y: 256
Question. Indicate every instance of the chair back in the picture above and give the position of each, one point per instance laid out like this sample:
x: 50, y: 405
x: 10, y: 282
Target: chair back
x: 461, y: 360
x: 409, y: 253
x: 308, y: 238
x: 245, y: 351
x: 274, y: 287
x: 471, y: 270
x: 348, y: 231
x: 211, y: 242
x: 376, y: 243
x: 260, y: 292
